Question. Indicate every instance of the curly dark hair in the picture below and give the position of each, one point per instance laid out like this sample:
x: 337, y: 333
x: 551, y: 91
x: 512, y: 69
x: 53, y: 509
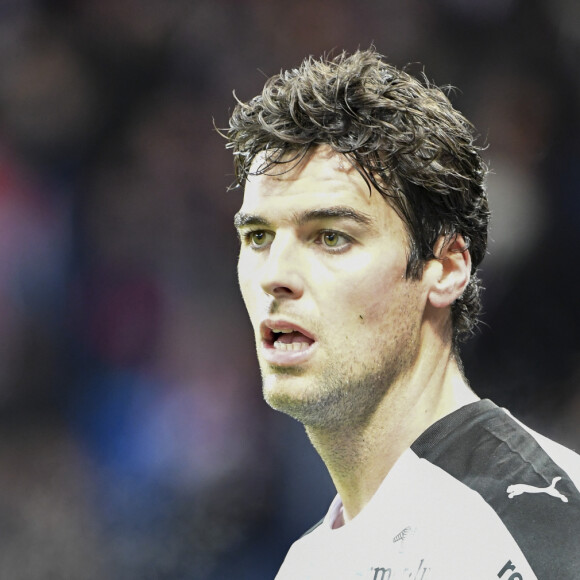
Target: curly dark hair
x: 402, y: 134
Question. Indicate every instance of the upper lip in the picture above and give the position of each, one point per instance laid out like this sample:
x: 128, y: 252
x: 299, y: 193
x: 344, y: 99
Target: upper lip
x: 269, y: 326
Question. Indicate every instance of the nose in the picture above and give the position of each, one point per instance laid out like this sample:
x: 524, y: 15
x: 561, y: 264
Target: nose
x: 282, y: 274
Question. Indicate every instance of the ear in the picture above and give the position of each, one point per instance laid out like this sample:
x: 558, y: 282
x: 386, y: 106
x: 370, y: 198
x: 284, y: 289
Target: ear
x: 449, y: 271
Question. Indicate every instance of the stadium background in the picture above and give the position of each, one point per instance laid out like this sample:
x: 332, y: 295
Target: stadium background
x: 133, y: 440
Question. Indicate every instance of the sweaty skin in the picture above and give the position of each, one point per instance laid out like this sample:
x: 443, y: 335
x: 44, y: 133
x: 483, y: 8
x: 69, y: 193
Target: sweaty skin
x: 346, y: 344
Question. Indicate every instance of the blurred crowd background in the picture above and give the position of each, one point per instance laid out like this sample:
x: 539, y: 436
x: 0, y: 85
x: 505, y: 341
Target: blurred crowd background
x: 134, y: 443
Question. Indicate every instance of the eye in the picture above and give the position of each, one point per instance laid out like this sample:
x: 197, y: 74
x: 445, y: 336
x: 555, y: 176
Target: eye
x: 258, y: 239
x: 330, y: 239
x: 334, y: 240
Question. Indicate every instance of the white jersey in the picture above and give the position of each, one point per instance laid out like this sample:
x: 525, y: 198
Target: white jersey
x: 478, y: 496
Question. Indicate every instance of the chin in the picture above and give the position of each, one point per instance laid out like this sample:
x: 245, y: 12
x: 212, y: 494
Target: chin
x: 289, y: 395
x: 312, y: 409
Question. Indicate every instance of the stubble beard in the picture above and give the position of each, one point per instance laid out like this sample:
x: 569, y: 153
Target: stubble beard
x: 347, y: 392
x: 341, y: 399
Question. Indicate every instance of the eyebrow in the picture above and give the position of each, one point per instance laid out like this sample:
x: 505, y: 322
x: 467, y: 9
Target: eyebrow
x: 242, y: 219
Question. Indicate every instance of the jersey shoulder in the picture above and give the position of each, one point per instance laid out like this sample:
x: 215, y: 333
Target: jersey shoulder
x: 531, y: 482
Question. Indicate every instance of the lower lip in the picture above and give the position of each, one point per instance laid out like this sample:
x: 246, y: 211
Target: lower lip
x: 286, y: 358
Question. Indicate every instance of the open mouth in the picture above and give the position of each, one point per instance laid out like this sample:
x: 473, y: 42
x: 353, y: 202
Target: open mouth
x: 290, y: 340
x: 286, y: 339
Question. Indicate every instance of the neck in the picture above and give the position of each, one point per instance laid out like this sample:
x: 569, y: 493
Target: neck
x: 359, y: 457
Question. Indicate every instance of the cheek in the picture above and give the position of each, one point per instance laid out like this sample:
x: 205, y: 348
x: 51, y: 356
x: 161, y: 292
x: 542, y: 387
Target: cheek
x: 245, y: 282
x: 374, y: 290
x: 389, y: 309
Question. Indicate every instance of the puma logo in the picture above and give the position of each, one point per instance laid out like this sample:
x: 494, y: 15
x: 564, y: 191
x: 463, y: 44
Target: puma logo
x: 520, y: 488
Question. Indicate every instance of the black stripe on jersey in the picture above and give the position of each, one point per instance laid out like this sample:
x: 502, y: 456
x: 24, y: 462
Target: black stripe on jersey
x: 484, y: 448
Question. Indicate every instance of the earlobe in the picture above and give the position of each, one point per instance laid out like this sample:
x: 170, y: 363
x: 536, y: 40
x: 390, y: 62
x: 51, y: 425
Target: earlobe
x: 452, y: 270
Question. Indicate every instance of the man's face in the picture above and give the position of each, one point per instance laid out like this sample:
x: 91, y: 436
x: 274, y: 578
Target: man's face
x: 322, y: 273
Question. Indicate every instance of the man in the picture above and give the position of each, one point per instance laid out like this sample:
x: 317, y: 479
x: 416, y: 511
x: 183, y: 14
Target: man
x: 363, y: 222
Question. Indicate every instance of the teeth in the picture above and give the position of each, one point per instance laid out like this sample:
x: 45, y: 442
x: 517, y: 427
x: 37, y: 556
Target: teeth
x: 281, y: 331
x: 291, y: 346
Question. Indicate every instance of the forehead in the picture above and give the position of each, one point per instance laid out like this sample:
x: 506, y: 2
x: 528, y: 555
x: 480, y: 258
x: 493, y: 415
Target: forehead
x: 323, y: 178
